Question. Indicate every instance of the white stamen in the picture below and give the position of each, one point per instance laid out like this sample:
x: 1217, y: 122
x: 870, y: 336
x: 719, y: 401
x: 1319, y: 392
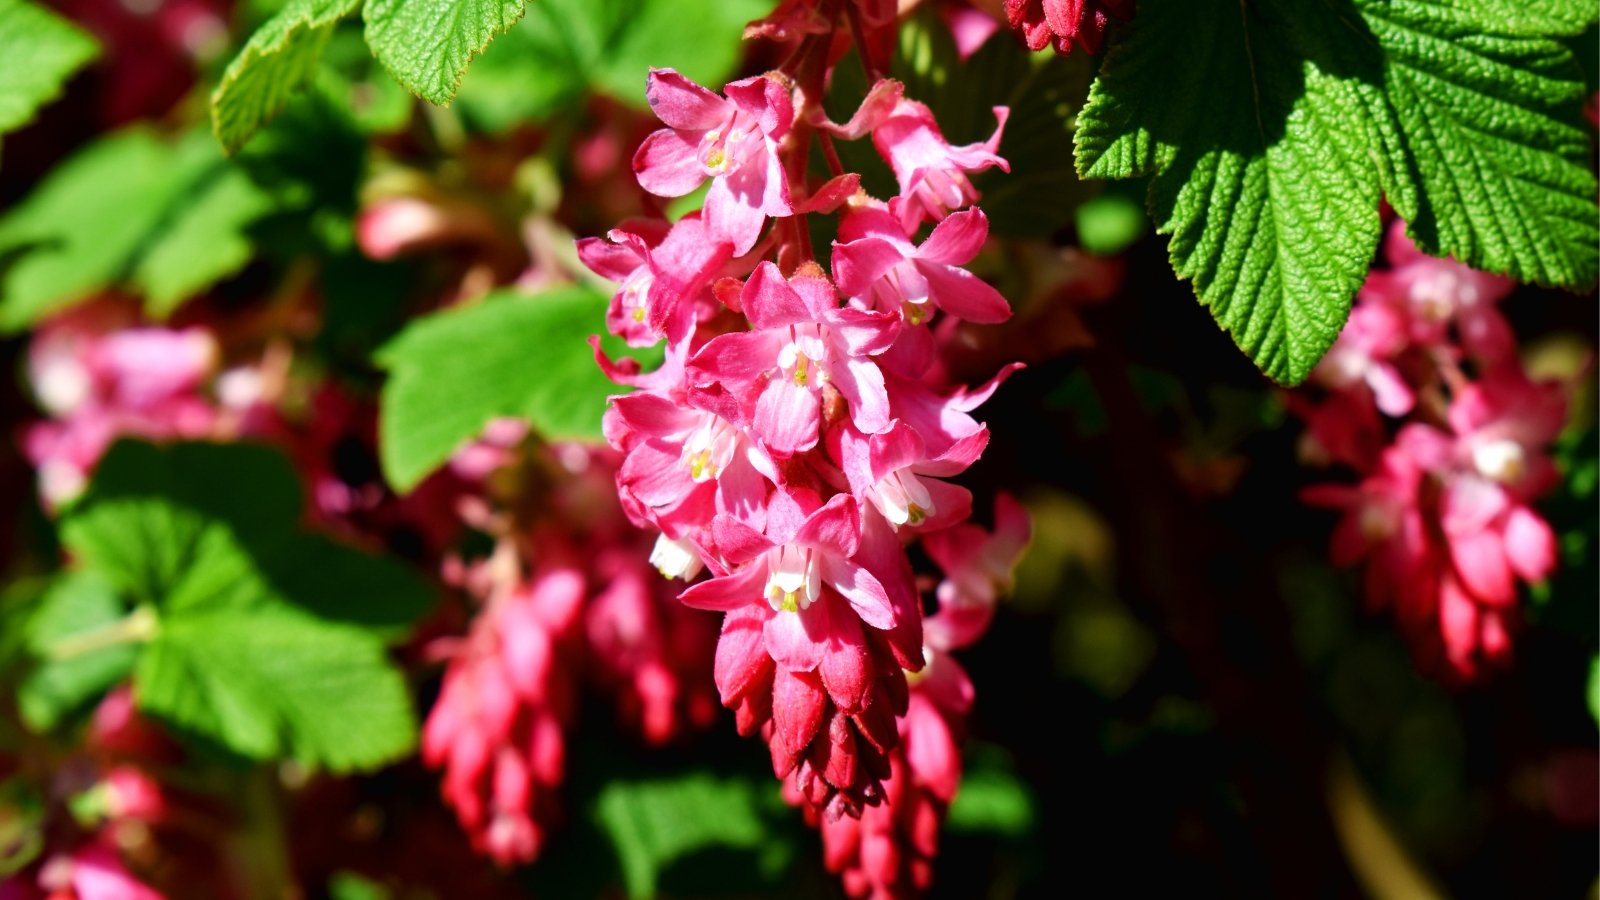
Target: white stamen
x: 1502, y: 460
x: 902, y: 498
x: 675, y: 558
x: 794, y: 580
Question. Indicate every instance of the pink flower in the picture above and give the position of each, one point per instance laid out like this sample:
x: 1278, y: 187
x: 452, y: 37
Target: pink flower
x: 94, y: 871
x: 878, y: 265
x: 1372, y: 337
x: 661, y: 271
x: 684, y: 466
x: 732, y: 141
x: 1383, y: 523
x: 802, y: 346
x: 132, y: 794
x: 1437, y: 293
x: 932, y: 174
x: 892, y: 472
x: 978, y: 568
x: 813, y: 597
x: 652, y: 650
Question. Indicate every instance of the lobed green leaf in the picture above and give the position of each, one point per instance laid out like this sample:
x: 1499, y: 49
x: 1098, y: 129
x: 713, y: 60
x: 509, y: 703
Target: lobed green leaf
x: 42, y: 51
x: 256, y: 637
x: 510, y: 355
x: 428, y: 44
x: 277, y: 61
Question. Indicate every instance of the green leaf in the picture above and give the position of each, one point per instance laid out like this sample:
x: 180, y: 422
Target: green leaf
x: 1260, y: 158
x: 1532, y: 18
x: 653, y: 823
x: 700, y: 40
x: 1593, y: 692
x: 992, y: 799
x: 262, y: 639
x: 42, y: 51
x: 275, y: 63
x: 169, y: 218
x: 564, y: 49
x: 1110, y: 223
x: 82, y: 226
x: 205, y: 243
x: 273, y: 681
x: 151, y: 512
x: 1501, y: 171
x: 1269, y: 156
x: 510, y: 355
x: 428, y: 44
x: 74, y: 636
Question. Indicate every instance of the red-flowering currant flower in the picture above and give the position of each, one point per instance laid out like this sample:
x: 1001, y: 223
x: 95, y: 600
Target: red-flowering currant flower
x: 1435, y: 294
x: 661, y: 271
x: 94, y: 871
x: 1364, y: 353
x: 1443, y: 516
x: 803, y: 344
x: 893, y: 472
x: 877, y: 264
x: 932, y: 174
x: 733, y: 141
x: 1065, y: 23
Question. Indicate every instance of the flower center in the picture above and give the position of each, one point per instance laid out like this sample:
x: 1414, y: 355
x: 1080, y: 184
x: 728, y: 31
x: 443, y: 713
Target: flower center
x: 723, y: 149
x: 1436, y: 296
x: 800, y: 357
x: 1377, y: 522
x: 1502, y: 460
x: 635, y: 291
x: 710, y: 448
x: 902, y: 498
x: 794, y: 580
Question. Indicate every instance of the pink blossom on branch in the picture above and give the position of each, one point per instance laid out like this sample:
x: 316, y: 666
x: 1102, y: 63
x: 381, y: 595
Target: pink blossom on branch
x: 932, y: 174
x: 732, y: 140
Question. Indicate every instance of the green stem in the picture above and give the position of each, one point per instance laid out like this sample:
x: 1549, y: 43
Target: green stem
x: 137, y: 627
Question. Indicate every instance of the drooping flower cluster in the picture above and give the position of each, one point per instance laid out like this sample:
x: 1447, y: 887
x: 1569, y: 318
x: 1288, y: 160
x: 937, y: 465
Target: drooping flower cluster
x: 577, y: 595
x: 889, y: 850
x: 797, y: 436
x: 1065, y: 23
x: 1443, y: 515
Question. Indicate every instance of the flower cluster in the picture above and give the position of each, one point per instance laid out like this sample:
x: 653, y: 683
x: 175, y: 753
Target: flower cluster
x: 570, y: 593
x: 1443, y: 513
x: 889, y: 850
x: 1065, y: 23
x: 100, y: 377
x: 796, y: 438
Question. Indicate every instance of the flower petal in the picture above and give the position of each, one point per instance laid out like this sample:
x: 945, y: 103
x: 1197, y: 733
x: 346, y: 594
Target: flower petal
x: 680, y: 103
x: 791, y: 641
x: 787, y: 417
x: 963, y: 294
x: 865, y: 593
x: 666, y: 164
x: 735, y: 590
x: 956, y: 240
